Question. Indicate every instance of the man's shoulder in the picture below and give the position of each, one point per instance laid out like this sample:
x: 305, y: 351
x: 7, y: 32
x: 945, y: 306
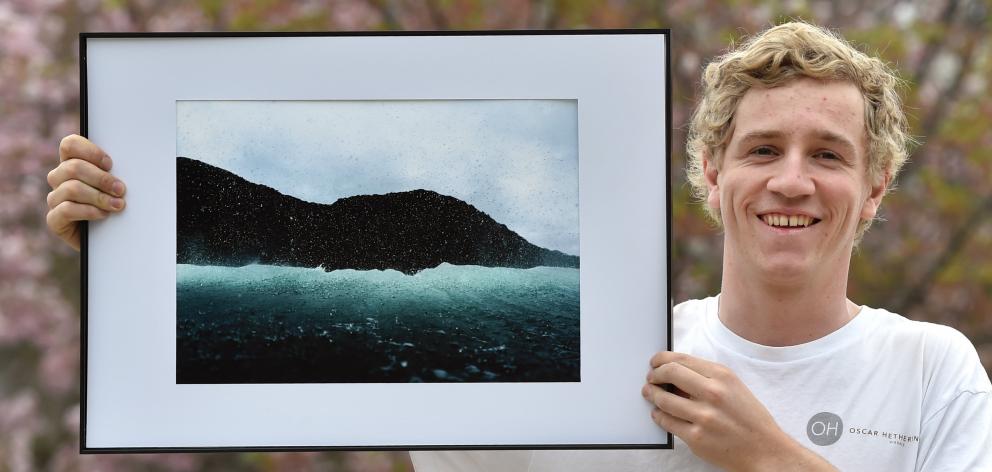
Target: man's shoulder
x: 926, y: 335
x: 694, y: 308
x: 689, y: 315
x: 948, y: 357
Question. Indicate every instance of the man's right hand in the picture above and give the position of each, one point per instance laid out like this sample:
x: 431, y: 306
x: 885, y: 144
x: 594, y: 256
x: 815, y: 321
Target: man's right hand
x: 82, y: 188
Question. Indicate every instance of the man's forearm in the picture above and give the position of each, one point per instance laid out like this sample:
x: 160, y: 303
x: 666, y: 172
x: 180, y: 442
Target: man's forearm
x: 786, y: 455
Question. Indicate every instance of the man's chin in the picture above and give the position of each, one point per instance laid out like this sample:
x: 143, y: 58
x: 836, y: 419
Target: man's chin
x: 787, y: 270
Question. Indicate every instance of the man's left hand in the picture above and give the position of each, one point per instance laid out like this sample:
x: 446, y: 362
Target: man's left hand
x: 719, y: 418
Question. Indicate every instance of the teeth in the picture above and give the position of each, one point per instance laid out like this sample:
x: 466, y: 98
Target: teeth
x: 787, y: 221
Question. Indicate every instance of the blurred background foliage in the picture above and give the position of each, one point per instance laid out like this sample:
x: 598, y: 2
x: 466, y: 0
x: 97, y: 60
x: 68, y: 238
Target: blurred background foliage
x: 931, y: 259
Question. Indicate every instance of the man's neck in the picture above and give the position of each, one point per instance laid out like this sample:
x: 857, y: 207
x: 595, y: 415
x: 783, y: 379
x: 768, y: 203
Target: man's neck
x: 784, y: 313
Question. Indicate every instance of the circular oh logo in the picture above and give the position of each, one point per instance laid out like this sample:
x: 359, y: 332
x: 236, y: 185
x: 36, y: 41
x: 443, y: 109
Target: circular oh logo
x: 824, y: 428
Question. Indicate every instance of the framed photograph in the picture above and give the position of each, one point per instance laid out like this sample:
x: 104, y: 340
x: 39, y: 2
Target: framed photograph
x: 444, y: 240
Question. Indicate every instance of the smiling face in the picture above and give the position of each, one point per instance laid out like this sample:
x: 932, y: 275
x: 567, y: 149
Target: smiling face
x: 792, y: 184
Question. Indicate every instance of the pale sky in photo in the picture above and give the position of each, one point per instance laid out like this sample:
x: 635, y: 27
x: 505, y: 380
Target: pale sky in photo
x: 516, y: 160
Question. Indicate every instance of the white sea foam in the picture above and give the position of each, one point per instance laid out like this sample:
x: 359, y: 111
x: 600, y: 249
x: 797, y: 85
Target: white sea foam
x: 444, y: 287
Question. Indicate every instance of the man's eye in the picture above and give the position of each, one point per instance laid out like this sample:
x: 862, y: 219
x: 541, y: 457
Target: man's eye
x: 826, y: 155
x: 763, y: 151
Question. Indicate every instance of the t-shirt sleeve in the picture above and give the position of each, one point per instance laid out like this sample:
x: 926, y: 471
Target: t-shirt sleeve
x: 957, y: 424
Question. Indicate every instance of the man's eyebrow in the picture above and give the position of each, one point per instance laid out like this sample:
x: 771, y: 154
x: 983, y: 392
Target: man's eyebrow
x: 836, y: 139
x: 821, y: 135
x: 758, y: 135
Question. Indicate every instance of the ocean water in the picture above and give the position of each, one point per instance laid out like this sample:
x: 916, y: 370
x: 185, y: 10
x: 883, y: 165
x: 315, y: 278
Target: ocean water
x: 277, y: 324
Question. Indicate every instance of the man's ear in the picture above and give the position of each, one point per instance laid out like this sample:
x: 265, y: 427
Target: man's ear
x: 711, y: 173
x: 874, y: 200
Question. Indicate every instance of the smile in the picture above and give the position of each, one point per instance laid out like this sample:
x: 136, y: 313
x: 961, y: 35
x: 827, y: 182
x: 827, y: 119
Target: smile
x: 779, y: 220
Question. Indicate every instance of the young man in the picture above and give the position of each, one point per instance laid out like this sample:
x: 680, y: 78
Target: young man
x: 792, y: 148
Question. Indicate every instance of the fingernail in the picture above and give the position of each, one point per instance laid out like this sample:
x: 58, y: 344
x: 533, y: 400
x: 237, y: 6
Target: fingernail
x: 116, y: 203
x: 644, y: 391
x: 106, y: 162
x: 118, y: 188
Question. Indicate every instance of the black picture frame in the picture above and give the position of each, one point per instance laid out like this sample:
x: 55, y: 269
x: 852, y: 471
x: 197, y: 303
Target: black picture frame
x: 101, y: 240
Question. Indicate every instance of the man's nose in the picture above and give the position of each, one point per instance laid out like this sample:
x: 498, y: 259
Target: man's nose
x: 792, y: 177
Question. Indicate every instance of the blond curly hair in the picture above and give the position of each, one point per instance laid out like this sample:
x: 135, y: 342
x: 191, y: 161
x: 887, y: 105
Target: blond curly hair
x: 775, y: 57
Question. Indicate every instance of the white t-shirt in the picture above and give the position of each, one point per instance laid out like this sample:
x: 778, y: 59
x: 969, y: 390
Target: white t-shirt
x: 880, y: 393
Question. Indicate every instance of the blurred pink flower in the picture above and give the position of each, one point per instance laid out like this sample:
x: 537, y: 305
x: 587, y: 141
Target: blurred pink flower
x: 354, y: 15
x: 179, y: 19
x: 369, y: 462
x: 60, y: 368
x: 21, y: 39
x: 19, y: 449
x: 70, y: 420
x: 116, y: 20
x: 19, y: 411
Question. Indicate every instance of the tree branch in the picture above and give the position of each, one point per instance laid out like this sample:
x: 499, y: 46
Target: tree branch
x: 543, y: 14
x: 930, y: 50
x: 944, y: 104
x: 436, y: 15
x: 913, y: 294
x: 388, y: 17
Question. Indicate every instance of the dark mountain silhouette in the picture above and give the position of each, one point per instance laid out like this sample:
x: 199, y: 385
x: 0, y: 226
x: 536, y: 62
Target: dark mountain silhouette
x: 222, y: 219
